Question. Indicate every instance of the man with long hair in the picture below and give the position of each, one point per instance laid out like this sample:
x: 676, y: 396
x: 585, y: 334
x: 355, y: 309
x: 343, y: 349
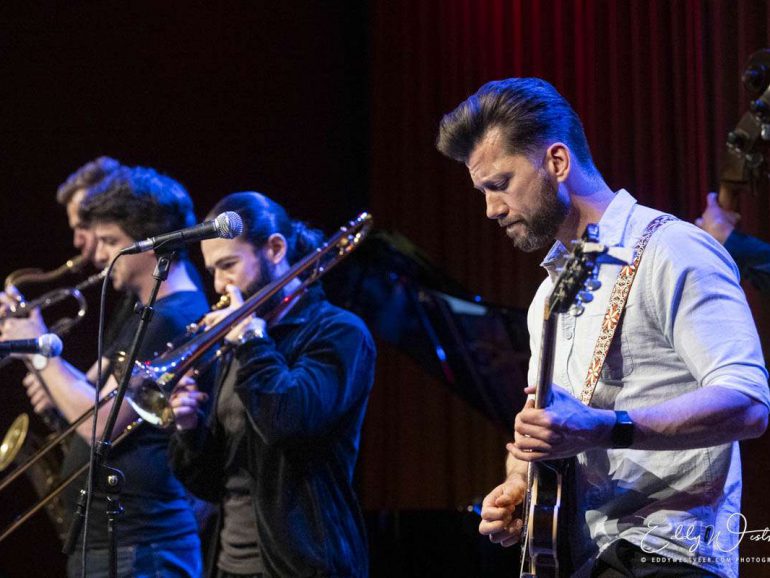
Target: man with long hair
x: 277, y: 444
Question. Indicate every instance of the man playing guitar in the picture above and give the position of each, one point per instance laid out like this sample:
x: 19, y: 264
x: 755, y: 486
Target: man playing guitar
x: 656, y: 380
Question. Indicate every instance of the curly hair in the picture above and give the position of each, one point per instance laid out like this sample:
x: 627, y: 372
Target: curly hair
x: 143, y: 202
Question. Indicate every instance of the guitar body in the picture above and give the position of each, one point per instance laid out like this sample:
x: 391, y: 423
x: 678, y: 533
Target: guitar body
x: 549, y: 515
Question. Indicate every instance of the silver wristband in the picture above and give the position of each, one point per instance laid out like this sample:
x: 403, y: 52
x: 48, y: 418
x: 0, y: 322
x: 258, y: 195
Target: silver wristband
x: 255, y: 330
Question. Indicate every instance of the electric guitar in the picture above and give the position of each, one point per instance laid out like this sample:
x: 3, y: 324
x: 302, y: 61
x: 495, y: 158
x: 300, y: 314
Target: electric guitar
x: 544, y: 541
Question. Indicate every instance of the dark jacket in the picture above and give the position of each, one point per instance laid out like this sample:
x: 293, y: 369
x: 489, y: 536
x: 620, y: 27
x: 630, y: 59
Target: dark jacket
x: 305, y: 390
x: 752, y: 257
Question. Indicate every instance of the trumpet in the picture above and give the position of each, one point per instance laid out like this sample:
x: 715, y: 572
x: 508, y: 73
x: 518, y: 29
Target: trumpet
x: 27, y: 276
x: 153, y: 382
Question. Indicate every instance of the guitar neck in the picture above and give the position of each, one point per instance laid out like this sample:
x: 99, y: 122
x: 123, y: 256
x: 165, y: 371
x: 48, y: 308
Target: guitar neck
x: 545, y: 365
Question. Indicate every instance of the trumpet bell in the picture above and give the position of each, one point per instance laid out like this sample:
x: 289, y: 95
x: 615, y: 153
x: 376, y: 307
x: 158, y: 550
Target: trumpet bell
x: 13, y: 441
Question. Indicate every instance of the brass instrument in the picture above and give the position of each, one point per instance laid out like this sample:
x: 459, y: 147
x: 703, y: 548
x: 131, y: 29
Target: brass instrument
x: 62, y: 326
x: 19, y: 442
x: 49, y: 494
x: 30, y: 276
x: 152, y: 383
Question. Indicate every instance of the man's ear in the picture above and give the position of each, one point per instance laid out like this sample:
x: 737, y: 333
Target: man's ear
x: 558, y: 161
x: 276, y: 248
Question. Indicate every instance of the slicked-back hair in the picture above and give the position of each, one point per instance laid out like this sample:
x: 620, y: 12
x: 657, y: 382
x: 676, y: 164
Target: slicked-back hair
x: 263, y: 217
x: 530, y: 113
x: 85, y: 177
x: 142, y: 201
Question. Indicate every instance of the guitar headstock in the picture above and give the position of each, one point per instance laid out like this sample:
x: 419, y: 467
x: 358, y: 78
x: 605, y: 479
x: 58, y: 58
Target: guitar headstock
x: 745, y: 166
x: 579, y: 276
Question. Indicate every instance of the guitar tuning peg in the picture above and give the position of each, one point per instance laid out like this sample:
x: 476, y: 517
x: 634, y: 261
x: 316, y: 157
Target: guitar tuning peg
x: 585, y: 296
x: 591, y: 233
x: 592, y: 284
x: 577, y: 309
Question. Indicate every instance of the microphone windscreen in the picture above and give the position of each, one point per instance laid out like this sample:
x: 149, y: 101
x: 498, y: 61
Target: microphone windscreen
x: 50, y: 345
x: 229, y: 225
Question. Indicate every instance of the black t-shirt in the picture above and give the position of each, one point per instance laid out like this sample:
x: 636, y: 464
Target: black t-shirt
x: 154, y: 501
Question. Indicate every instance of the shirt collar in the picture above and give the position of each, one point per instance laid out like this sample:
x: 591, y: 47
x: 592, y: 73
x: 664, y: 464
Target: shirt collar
x: 612, y: 228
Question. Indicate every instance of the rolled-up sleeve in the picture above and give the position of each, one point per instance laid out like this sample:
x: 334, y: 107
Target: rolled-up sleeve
x: 703, y: 312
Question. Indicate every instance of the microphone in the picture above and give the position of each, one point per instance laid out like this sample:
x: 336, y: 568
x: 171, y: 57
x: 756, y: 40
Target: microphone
x: 227, y: 225
x: 47, y: 345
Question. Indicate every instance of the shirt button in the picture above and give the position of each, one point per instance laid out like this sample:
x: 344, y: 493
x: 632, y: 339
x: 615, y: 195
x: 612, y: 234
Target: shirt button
x: 568, y: 333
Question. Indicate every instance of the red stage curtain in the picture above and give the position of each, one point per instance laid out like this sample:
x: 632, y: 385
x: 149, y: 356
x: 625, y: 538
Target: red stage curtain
x: 657, y: 84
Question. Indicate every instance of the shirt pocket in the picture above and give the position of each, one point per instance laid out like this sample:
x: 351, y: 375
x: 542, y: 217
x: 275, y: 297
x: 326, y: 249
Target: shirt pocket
x: 619, y: 361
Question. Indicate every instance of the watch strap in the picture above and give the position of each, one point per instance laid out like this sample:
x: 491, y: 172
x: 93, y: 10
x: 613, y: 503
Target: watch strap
x: 622, y: 435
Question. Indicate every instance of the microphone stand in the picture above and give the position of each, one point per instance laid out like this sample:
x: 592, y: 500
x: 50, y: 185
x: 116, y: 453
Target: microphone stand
x: 111, y: 480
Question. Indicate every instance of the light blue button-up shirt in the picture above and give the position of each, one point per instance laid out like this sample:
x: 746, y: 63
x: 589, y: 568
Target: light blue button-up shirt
x: 686, y: 326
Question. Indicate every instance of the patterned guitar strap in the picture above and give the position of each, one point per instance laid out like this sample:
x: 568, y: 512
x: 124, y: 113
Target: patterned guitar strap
x: 616, y: 307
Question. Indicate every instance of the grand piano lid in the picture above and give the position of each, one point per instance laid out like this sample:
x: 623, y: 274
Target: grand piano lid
x: 478, y: 349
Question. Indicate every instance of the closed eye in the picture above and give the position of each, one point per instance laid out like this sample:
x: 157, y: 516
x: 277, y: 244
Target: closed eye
x: 222, y: 266
x: 499, y: 185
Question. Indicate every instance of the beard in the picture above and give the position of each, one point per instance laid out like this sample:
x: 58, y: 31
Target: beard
x: 542, y: 226
x: 265, y: 277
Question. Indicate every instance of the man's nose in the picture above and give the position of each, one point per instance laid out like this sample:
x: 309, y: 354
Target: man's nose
x: 220, y: 282
x: 100, y: 256
x: 496, y: 208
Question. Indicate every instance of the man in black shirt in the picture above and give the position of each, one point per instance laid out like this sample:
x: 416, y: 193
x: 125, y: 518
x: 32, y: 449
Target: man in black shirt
x: 277, y: 446
x: 157, y: 534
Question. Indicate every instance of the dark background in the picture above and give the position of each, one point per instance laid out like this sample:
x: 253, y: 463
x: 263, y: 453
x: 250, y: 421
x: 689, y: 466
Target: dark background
x: 332, y: 107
